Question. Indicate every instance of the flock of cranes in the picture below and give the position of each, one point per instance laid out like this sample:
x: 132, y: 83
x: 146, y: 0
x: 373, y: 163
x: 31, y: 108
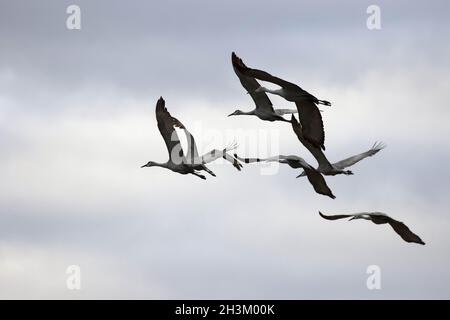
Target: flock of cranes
x: 309, y: 131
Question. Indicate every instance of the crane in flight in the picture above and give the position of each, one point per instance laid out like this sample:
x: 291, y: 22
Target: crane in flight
x: 325, y: 167
x: 264, y: 109
x: 306, y: 103
x: 380, y: 218
x: 191, y: 162
x: 315, y: 177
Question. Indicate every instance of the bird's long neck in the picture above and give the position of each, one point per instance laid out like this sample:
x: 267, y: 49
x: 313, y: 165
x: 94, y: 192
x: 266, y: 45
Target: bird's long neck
x: 162, y: 165
x: 248, y: 113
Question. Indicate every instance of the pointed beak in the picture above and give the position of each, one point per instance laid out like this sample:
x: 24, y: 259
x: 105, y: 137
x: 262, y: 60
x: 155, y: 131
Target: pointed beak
x: 144, y: 166
x: 352, y: 218
x: 230, y: 114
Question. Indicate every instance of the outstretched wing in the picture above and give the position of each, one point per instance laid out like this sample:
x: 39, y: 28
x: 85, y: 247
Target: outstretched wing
x: 212, y: 155
x: 216, y: 154
x: 404, y: 232
x: 279, y: 158
x: 354, y: 159
x: 265, y: 76
x: 192, y: 152
x: 250, y: 84
x: 249, y: 160
x: 335, y: 217
x: 315, y: 151
x: 312, y: 123
x: 167, y: 130
x: 318, y: 182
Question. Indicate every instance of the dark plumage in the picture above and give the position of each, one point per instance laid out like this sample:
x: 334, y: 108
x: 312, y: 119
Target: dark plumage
x: 306, y: 103
x: 314, y: 177
x: 380, y: 218
x: 264, y: 108
x: 325, y: 167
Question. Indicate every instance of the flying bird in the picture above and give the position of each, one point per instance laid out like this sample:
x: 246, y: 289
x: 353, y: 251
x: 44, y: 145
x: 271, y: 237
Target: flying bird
x: 306, y: 103
x: 189, y: 163
x: 325, y: 167
x: 264, y: 108
x: 315, y: 178
x: 380, y: 218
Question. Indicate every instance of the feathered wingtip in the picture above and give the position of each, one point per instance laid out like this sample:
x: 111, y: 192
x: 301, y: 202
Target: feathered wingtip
x: 238, y: 63
x: 378, y: 146
x: 231, y: 146
x: 160, y: 105
x: 160, y: 102
x: 234, y: 160
x: 235, y: 60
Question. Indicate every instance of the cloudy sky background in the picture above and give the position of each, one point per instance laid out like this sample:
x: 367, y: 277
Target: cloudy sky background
x: 77, y: 121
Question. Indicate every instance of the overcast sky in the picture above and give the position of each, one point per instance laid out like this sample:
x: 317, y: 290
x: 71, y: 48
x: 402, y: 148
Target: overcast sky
x: 77, y: 121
